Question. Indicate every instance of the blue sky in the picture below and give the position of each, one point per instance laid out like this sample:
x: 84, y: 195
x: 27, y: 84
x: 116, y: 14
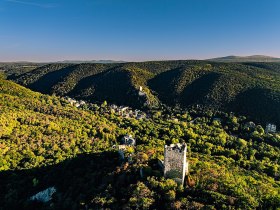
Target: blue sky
x: 137, y: 30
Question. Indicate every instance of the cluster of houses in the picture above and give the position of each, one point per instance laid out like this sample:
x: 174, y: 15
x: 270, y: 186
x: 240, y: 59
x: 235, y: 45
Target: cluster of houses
x: 123, y: 111
x: 74, y: 102
x: 270, y: 128
x: 127, y: 112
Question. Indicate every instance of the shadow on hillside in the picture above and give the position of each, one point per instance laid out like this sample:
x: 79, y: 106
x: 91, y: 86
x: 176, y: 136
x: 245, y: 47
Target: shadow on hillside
x: 196, y: 92
x: 45, y: 83
x: 76, y: 179
x: 87, y: 83
x: 114, y: 86
x: 164, y: 85
x: 262, y: 104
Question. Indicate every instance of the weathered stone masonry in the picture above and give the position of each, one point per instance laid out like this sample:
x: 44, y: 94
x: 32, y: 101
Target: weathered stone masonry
x: 175, y: 162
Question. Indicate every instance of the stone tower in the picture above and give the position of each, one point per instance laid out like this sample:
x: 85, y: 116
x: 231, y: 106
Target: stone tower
x: 175, y: 162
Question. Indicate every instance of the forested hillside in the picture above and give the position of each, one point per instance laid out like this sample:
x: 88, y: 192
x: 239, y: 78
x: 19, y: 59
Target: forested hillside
x: 45, y: 142
x: 252, y: 58
x: 251, y: 89
x: 16, y: 68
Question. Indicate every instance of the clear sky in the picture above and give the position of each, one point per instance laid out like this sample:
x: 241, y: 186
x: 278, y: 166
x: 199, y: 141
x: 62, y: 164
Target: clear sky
x: 137, y: 30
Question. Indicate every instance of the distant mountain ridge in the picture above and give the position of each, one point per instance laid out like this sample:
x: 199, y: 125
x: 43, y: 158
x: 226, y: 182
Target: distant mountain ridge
x: 252, y: 58
x: 89, y: 61
x: 249, y: 88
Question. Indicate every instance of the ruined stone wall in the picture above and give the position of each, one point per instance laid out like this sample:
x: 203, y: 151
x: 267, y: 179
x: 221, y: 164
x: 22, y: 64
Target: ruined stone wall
x: 175, y: 162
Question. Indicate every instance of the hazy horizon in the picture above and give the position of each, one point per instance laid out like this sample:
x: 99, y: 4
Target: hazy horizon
x: 88, y: 60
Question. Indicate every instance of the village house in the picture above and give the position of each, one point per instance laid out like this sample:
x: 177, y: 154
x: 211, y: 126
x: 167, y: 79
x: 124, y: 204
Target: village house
x: 140, y: 116
x: 128, y: 140
x: 74, y: 102
x: 270, y: 128
x: 125, y: 142
x: 250, y: 125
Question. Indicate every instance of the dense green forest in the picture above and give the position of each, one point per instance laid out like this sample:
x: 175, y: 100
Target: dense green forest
x: 17, y: 68
x: 247, y: 88
x: 46, y: 142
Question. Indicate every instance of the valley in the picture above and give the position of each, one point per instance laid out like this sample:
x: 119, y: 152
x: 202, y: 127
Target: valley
x: 251, y: 89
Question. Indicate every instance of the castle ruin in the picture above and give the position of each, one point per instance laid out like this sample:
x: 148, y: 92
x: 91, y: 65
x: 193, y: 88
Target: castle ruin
x: 175, y: 162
